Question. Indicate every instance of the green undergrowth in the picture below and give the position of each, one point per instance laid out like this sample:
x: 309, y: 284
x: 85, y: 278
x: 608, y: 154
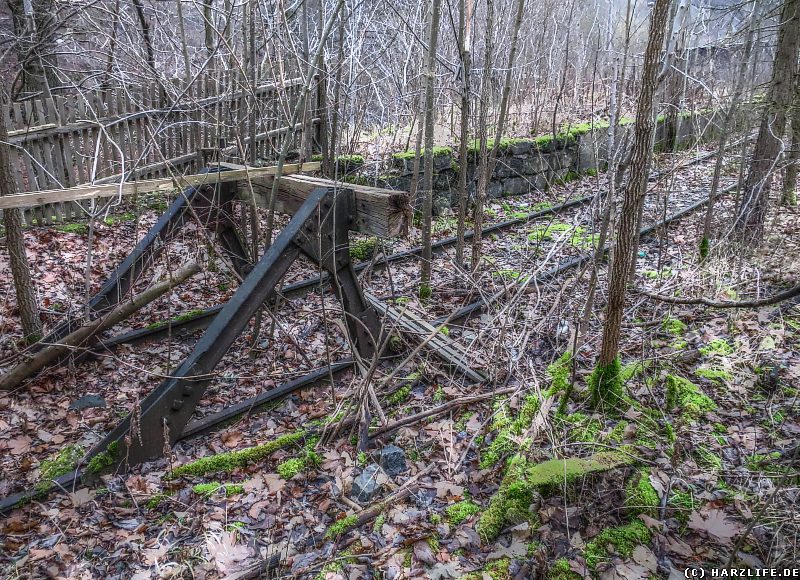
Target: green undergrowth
x: 579, y: 238
x: 63, y: 462
x: 350, y: 159
x: 227, y: 462
x: 690, y: 400
x: 623, y: 539
x: 510, y: 504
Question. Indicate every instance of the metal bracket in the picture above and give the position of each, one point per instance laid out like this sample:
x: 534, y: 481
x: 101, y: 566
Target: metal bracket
x: 318, y: 229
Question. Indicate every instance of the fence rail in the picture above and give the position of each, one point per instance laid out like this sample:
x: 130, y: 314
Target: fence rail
x: 124, y: 134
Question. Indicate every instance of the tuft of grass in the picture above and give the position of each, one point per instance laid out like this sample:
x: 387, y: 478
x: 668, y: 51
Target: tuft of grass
x: 206, y: 490
x: 79, y: 229
x: 363, y: 249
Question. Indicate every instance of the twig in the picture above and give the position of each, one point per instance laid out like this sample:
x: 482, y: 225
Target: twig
x: 780, y: 297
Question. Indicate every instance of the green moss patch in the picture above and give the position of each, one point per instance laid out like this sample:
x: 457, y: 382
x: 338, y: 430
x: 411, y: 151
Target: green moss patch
x: 340, y: 526
x: 718, y: 346
x: 78, y: 229
x: 714, y: 374
x: 208, y: 489
x: 561, y: 570
x: 63, y: 462
x: 606, y: 387
x: 640, y: 495
x: 508, y: 426
x: 227, y: 462
x: 437, y: 151
x: 363, y: 249
x: 673, y: 326
x: 104, y: 459
x: 622, y: 540
x: 688, y: 397
x: 512, y: 501
x: 458, y: 512
x: 580, y: 238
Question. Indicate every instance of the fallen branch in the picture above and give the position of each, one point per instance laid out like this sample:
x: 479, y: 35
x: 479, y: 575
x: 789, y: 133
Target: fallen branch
x: 780, y: 297
x: 438, y: 411
x: 47, y: 355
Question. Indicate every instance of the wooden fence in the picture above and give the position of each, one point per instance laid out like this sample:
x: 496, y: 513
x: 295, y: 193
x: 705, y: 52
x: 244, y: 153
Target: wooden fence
x: 125, y: 134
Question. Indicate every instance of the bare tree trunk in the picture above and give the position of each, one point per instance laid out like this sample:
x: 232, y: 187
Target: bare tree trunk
x: 208, y: 25
x: 501, y: 120
x: 430, y: 119
x: 23, y: 285
x: 483, y: 132
x: 35, y: 23
x: 464, y: 47
x: 606, y: 385
x: 75, y: 339
x: 749, y: 223
x: 146, y: 37
x: 789, y: 196
x: 705, y: 241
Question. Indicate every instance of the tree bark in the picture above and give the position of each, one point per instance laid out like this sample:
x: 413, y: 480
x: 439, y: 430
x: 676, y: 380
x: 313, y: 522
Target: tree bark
x: 35, y: 24
x: 75, y: 339
x: 749, y: 221
x: 464, y: 47
x: 705, y: 240
x: 23, y: 285
x: 430, y: 119
x: 146, y: 37
x: 789, y: 196
x: 640, y: 158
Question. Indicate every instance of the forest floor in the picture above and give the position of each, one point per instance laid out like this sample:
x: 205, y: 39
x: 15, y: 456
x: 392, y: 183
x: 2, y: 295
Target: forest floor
x: 709, y: 422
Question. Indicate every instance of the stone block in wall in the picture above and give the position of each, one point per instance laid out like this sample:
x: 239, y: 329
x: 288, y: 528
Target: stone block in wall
x: 442, y: 162
x: 494, y: 189
x: 445, y: 180
x: 537, y: 162
x: 508, y: 166
x: 516, y: 186
x: 521, y: 147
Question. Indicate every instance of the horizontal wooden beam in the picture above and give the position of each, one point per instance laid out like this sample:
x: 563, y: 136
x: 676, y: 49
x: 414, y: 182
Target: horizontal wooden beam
x: 379, y: 212
x: 38, y: 198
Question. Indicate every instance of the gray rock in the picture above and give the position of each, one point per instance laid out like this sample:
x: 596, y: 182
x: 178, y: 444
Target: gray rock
x: 442, y: 162
x: 516, y: 186
x: 366, y: 485
x: 521, y: 147
x: 441, y: 205
x: 393, y: 460
x: 87, y: 402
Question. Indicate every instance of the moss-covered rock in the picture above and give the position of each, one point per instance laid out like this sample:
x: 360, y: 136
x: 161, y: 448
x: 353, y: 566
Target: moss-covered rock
x: 511, y: 503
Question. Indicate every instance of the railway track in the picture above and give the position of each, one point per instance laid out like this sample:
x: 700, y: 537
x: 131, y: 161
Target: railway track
x: 201, y: 320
